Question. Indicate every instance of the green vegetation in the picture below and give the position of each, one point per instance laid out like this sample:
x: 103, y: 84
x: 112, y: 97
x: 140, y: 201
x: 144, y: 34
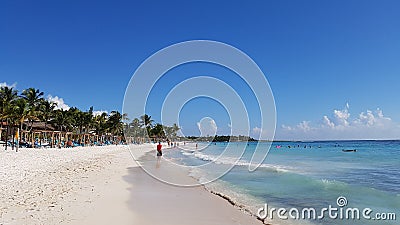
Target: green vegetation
x: 145, y: 127
x: 24, y: 111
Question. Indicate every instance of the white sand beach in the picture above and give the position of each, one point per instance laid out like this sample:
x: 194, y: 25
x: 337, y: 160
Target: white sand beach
x: 101, y: 185
x: 53, y: 186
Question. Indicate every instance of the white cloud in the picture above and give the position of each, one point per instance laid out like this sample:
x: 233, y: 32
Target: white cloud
x: 59, y: 101
x: 262, y: 134
x: 328, y: 122
x: 370, y: 119
x: 96, y: 113
x: 367, y: 125
x: 4, y: 84
x: 257, y: 131
x: 207, y: 127
x: 341, y: 116
x: 305, y: 126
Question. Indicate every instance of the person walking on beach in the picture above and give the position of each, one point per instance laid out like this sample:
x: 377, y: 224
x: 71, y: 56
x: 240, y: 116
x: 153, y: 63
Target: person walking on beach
x: 159, y: 151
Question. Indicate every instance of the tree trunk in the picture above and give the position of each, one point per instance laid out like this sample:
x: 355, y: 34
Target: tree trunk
x: 13, y: 139
x: 30, y: 128
x: 20, y: 136
x: 45, y: 133
x: 6, y: 140
x: 1, y: 128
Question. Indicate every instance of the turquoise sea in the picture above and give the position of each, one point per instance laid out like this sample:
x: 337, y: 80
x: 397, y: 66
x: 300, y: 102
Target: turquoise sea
x: 305, y: 174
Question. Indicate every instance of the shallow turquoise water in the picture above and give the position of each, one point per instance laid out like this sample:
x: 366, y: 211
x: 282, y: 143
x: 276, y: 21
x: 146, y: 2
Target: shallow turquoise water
x: 309, y: 174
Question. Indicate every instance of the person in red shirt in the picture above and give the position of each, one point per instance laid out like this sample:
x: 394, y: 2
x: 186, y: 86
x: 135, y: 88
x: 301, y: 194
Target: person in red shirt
x: 159, y: 152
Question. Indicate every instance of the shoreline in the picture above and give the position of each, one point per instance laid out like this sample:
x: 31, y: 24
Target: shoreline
x: 195, y: 205
x: 236, y: 205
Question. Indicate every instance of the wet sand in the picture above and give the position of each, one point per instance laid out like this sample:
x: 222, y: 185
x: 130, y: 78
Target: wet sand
x: 155, y: 202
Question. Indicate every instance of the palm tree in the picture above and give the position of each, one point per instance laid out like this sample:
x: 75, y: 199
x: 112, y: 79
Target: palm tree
x: 147, y: 123
x: 158, y: 131
x: 62, y: 120
x: 33, y: 98
x: 8, y: 96
x: 46, y: 111
x: 21, y: 113
x: 78, y: 119
x: 171, y: 132
x: 116, y: 123
x: 146, y: 120
x: 87, y: 120
x: 100, y: 123
x: 134, y: 128
x: 175, y: 129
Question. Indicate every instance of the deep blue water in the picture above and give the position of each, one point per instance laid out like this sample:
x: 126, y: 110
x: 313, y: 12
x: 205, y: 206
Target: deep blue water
x: 308, y: 174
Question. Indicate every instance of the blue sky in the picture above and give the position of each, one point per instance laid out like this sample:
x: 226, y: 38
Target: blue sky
x: 317, y: 56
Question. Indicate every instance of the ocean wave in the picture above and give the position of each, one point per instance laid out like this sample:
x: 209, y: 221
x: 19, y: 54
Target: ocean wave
x: 186, y: 153
x: 234, y: 161
x: 332, y: 184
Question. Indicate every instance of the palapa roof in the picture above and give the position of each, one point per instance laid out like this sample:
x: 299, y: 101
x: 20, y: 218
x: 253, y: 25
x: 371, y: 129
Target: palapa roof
x: 40, y: 126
